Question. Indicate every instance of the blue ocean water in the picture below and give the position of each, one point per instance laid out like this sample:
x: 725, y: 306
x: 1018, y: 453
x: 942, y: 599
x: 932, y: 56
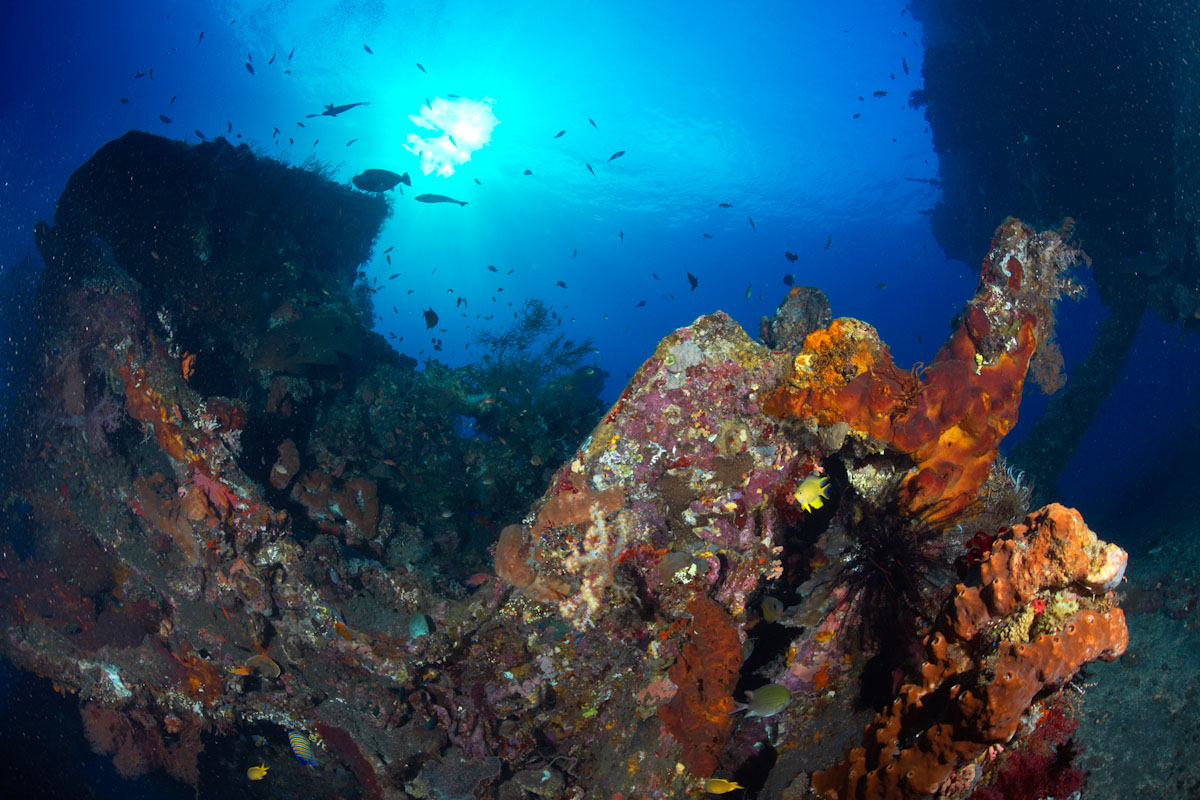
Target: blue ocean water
x: 795, y: 115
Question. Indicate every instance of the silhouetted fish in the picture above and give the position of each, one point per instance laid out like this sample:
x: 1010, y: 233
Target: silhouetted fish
x: 622, y: 235
x: 594, y: 125
x: 379, y: 180
x: 332, y: 111
x: 139, y: 74
x: 589, y: 166
x: 165, y: 118
x: 752, y: 225
x: 393, y: 276
x: 477, y: 181
x: 291, y: 54
x: 369, y: 50
x: 904, y: 63
x: 201, y: 39
x: 492, y: 269
x: 438, y: 198
x: 172, y: 103
x: 560, y: 133
x: 201, y: 135
x: 150, y: 72
x: 528, y: 172
x: 125, y: 101
x: 791, y: 256
x: 574, y: 253
x: 352, y: 141
x: 272, y: 61
x: 856, y: 116
x: 276, y: 133
x: 706, y: 235
x: 617, y: 154
x: 431, y: 318
x: 880, y: 93
x: 829, y: 241
x: 693, y: 280
x: 561, y: 284
x: 724, y: 205
x: 390, y: 249
x: 640, y: 304
x: 229, y: 127
x: 249, y: 68
x: 789, y: 279
x: 421, y: 68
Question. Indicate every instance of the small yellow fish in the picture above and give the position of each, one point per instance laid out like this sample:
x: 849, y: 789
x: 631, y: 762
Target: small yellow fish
x: 257, y: 773
x: 721, y: 786
x: 765, y: 701
x: 811, y: 493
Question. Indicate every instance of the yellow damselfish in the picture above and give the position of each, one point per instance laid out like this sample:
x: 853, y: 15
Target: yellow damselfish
x: 810, y: 494
x: 257, y: 773
x: 721, y: 786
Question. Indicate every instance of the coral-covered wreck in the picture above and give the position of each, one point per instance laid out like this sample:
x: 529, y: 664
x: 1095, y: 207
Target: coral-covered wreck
x: 234, y: 514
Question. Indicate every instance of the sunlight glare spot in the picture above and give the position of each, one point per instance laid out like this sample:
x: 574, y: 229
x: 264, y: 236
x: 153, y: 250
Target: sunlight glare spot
x: 463, y: 126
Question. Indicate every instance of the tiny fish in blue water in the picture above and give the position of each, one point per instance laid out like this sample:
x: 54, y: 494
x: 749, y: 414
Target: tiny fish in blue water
x: 693, y: 280
x: 165, y: 118
x: 201, y: 135
x: 431, y: 318
x: 706, y: 235
x: 790, y: 256
x: 589, y: 166
x: 291, y: 54
x: 617, y: 154
x: 421, y: 68
x: 752, y: 225
x: 249, y: 68
x: 594, y: 125
x: 438, y: 198
x: 201, y: 39
x: 560, y: 133
x: 725, y: 205
x: 369, y: 50
x: 829, y: 241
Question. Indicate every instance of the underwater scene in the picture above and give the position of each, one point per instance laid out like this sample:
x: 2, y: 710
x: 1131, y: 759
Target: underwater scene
x: 612, y: 401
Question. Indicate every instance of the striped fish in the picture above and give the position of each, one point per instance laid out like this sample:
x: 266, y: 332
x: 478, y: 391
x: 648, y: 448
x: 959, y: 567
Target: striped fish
x: 302, y: 748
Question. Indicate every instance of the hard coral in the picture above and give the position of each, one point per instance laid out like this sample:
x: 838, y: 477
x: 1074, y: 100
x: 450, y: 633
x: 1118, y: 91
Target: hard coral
x: 973, y: 692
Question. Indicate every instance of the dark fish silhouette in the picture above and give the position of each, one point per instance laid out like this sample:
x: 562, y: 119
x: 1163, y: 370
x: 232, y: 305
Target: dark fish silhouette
x: 594, y: 125
x: 560, y: 133
x: 790, y: 256
x: 201, y: 39
x: 276, y: 133
x: 301, y: 124
x: 856, y: 116
x: 880, y: 93
x: 752, y: 225
x: 789, y: 279
x: 125, y: 101
x: 528, y: 172
x: 139, y: 74
x: 369, y: 50
x: 393, y: 276
x: 693, y: 280
x: 640, y: 304
x: 477, y: 181
x: 249, y: 68
x: 172, y: 103
x: 379, y: 180
x: 229, y: 127
x: 421, y: 68
x: 249, y: 57
x: 431, y: 318
x: 706, y: 235
x: 617, y: 154
x: 389, y: 258
x: 492, y: 269
x: 829, y: 241
x: 291, y: 54
x: 589, y: 166
x: 574, y: 253
x: 150, y: 72
x: 291, y: 140
x: 561, y: 283
x: 390, y: 249
x: 165, y: 118
x: 201, y: 135
x: 272, y: 61
x: 724, y: 205
x: 622, y: 235
x: 352, y: 141
x: 438, y: 198
x: 332, y: 111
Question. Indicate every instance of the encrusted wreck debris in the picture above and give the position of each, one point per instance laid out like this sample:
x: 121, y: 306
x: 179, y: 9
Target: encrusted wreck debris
x: 235, y: 510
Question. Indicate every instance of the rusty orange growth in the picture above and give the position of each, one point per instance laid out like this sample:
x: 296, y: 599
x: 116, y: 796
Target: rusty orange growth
x: 951, y: 418
x: 146, y: 405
